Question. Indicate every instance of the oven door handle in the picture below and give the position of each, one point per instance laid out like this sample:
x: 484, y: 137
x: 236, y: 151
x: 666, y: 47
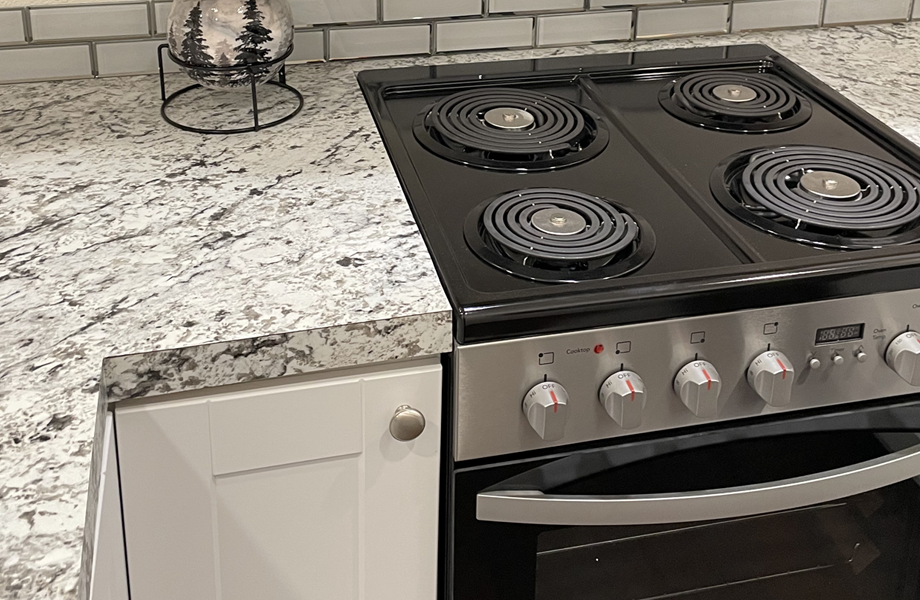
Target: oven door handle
x: 536, y: 508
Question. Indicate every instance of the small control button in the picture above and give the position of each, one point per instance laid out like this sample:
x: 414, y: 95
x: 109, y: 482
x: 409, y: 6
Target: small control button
x: 624, y: 347
x: 813, y: 363
x: 861, y: 356
x: 697, y: 337
x: 770, y: 328
x: 547, y: 358
x: 838, y: 359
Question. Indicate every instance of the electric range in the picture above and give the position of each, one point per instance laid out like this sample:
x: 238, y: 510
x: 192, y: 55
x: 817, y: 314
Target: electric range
x: 692, y: 258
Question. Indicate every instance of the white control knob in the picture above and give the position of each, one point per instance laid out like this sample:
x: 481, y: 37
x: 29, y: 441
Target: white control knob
x: 623, y: 397
x: 698, y: 384
x: 772, y: 376
x: 903, y: 355
x: 545, y: 407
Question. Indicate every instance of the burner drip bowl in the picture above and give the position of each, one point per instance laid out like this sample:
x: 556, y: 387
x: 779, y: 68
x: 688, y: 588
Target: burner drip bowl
x: 558, y: 235
x: 822, y: 196
x: 735, y: 101
x: 510, y: 129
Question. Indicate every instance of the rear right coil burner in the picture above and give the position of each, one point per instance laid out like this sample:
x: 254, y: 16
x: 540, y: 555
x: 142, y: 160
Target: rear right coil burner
x: 557, y: 235
x: 735, y: 101
x: 820, y: 196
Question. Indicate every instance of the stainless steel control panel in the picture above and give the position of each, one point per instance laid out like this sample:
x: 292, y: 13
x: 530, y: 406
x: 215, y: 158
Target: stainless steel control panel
x: 839, y: 351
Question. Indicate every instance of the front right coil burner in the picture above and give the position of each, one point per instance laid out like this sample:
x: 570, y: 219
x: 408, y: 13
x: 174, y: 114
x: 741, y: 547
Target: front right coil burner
x: 735, y: 101
x: 558, y: 235
x: 824, y: 197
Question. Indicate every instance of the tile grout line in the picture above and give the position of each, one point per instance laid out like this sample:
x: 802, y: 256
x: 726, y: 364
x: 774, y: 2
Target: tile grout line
x: 93, y: 61
x: 27, y: 24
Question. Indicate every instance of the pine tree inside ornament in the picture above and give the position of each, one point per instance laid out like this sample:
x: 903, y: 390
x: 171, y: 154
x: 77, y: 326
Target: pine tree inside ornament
x: 230, y: 33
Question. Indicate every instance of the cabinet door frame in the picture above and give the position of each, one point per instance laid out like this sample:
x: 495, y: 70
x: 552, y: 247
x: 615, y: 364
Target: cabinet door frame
x: 173, y: 499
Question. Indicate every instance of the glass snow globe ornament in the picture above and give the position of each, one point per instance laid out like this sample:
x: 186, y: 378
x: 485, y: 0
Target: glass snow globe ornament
x: 230, y: 33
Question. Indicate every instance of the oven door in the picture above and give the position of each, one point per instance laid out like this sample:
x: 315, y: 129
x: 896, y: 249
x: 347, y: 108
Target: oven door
x: 821, y: 507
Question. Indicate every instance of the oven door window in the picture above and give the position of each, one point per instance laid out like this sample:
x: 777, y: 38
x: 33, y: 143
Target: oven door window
x: 865, y: 546
x: 726, y: 521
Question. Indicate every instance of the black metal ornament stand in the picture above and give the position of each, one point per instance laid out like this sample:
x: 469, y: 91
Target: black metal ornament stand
x: 252, y: 69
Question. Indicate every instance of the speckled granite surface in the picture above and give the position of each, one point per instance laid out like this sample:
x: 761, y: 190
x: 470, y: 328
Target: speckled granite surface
x: 123, y: 237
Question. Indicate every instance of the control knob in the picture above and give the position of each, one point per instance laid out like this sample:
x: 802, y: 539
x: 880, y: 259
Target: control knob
x: 772, y: 377
x: 545, y: 407
x: 698, y: 384
x: 623, y: 397
x: 903, y: 355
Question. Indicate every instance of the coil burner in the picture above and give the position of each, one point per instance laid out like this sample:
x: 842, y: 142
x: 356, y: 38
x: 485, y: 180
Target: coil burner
x: 821, y: 196
x: 557, y: 235
x: 510, y: 130
x: 735, y: 101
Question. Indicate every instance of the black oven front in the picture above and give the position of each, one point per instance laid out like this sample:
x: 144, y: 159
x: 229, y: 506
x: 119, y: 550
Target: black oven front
x: 823, y: 506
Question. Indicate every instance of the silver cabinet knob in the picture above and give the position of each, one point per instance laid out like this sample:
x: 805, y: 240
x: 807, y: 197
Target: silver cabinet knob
x: 903, y: 355
x: 546, y: 409
x: 623, y: 397
x: 698, y: 385
x: 407, y: 424
x: 772, y: 377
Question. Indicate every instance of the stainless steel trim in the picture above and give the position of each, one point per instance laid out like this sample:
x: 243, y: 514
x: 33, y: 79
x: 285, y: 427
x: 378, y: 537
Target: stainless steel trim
x: 536, y: 508
x: 491, y: 379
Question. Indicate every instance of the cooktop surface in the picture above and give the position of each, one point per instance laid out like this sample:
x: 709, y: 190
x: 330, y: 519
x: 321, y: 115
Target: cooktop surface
x: 566, y: 193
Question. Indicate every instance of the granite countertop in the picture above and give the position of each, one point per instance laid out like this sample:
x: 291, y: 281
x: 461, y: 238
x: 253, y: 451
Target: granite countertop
x: 188, y: 261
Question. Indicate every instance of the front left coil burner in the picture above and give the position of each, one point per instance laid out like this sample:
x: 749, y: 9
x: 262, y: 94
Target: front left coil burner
x: 557, y: 235
x: 510, y: 130
x: 735, y: 101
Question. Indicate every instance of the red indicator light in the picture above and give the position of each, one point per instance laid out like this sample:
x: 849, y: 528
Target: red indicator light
x: 599, y: 348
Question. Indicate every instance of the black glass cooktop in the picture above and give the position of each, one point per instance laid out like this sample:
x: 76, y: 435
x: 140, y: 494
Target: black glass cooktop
x: 566, y: 193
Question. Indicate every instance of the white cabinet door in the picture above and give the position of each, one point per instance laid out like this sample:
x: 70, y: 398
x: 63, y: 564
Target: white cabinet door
x: 287, y: 492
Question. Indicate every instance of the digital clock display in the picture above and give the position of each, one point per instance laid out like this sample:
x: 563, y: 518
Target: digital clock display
x: 843, y: 333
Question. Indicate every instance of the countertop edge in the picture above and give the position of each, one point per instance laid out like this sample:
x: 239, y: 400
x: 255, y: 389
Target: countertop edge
x: 174, y: 370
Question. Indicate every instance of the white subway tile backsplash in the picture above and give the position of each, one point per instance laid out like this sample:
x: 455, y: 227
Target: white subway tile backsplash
x: 122, y: 58
x: 88, y: 22
x: 584, y: 28
x: 481, y: 35
x: 117, y: 32
x: 308, y: 45
x: 45, y: 62
x: 683, y: 20
x: 398, y: 10
x: 774, y: 14
x: 360, y: 42
x: 506, y: 6
x: 11, y: 29
x: 860, y: 11
x: 161, y: 16
x: 317, y: 12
